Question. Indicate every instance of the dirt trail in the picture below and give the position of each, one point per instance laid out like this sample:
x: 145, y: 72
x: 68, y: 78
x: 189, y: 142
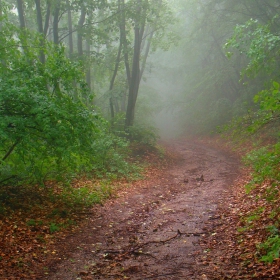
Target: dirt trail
x: 152, y: 231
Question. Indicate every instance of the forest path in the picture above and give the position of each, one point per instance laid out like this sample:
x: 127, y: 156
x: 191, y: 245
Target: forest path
x: 152, y: 230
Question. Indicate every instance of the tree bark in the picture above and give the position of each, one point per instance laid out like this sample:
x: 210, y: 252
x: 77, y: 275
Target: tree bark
x: 134, y: 82
x: 47, y: 19
x: 70, y: 30
x: 147, y: 50
x: 80, y: 27
x: 117, y: 63
x: 88, y: 74
x: 1, y: 14
x: 22, y: 35
x: 40, y: 30
x: 124, y: 39
x: 21, y: 14
x: 148, y: 38
x: 135, y: 74
x: 55, y: 23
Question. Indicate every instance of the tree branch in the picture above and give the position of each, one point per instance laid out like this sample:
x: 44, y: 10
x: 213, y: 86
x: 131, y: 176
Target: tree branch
x: 10, y: 150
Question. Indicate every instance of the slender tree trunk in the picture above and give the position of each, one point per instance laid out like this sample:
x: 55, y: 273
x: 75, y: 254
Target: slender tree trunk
x: 20, y: 10
x: 88, y: 74
x: 147, y: 50
x: 22, y: 34
x: 56, y: 41
x: 147, y: 40
x: 3, y: 62
x: 135, y: 74
x: 134, y: 82
x: 1, y: 14
x: 55, y: 23
x: 80, y: 33
x: 117, y: 63
x: 40, y: 30
x: 39, y: 16
x: 70, y: 30
x: 47, y: 19
x: 124, y: 39
x: 113, y: 80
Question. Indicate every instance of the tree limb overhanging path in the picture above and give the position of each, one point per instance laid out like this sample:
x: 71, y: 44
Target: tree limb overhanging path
x: 152, y: 230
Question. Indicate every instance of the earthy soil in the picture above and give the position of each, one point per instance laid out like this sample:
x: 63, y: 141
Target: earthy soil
x: 153, y: 229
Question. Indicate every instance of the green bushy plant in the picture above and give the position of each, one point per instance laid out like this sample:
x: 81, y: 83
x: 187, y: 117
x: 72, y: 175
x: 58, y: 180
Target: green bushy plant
x: 47, y: 129
x: 265, y: 163
x: 54, y: 227
x: 261, y: 44
x: 83, y: 196
x: 270, y: 248
x: 143, y: 134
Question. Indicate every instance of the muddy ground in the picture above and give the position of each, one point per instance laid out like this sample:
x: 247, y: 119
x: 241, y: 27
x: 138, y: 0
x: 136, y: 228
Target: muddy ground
x: 153, y: 229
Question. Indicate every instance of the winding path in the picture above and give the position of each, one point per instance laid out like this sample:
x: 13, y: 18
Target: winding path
x: 152, y: 230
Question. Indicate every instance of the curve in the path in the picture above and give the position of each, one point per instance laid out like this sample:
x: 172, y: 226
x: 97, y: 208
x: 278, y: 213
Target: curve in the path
x: 152, y: 232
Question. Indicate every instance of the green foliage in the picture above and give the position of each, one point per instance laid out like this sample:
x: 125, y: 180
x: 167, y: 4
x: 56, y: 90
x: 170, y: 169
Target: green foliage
x: 143, y: 134
x: 270, y: 249
x: 33, y: 223
x: 258, y: 43
x: 47, y: 129
x: 54, y: 227
x: 261, y: 46
x: 83, y: 196
x: 269, y: 99
x: 110, y: 151
x: 265, y: 163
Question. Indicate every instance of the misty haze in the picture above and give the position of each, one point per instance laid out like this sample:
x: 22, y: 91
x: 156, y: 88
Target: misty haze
x: 139, y: 139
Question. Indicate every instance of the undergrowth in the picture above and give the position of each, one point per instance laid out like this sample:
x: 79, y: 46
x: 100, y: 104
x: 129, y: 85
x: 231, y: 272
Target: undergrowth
x: 258, y: 141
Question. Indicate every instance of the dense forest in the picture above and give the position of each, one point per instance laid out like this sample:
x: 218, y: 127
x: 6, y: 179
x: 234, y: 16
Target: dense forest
x: 87, y: 87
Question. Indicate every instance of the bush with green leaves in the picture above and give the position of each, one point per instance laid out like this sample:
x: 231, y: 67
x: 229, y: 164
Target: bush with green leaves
x: 43, y: 127
x: 143, y: 134
x: 270, y: 248
x: 261, y: 47
x: 261, y: 44
x: 48, y: 130
x: 265, y: 163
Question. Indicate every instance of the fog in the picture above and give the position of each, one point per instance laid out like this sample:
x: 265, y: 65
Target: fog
x: 197, y: 87
x: 168, y: 86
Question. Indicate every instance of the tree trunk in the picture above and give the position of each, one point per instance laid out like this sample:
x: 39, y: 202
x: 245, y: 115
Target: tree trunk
x: 135, y: 74
x: 148, y: 38
x: 40, y: 30
x: 124, y: 39
x: 134, y: 82
x: 39, y: 16
x: 88, y: 74
x: 20, y: 10
x: 80, y: 35
x: 47, y: 19
x: 117, y: 63
x: 55, y: 23
x: 70, y: 29
x: 1, y: 14
x: 148, y: 46
x: 22, y: 35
